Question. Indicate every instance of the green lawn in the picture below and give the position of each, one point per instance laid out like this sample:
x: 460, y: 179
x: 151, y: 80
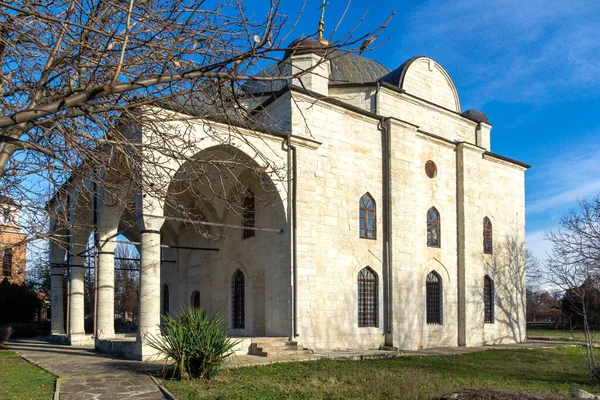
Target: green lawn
x: 22, y: 380
x: 556, y: 371
x: 560, y: 334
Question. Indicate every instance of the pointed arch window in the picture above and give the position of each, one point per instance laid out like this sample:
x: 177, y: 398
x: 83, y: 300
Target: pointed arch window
x: 237, y: 300
x: 165, y: 299
x: 249, y: 214
x: 367, y: 217
x: 487, y: 236
x: 488, y: 300
x: 368, y: 304
x: 7, y: 260
x: 434, y: 298
x: 433, y: 228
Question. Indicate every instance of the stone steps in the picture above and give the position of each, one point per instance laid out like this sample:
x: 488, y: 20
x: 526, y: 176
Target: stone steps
x: 275, y: 347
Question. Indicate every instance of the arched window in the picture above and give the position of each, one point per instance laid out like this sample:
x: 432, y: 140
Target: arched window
x: 488, y: 300
x: 433, y: 228
x: 367, y: 298
x: 434, y: 298
x: 165, y: 299
x: 249, y: 214
x: 367, y: 217
x: 7, y: 263
x: 237, y: 300
x: 487, y: 235
x: 195, y: 299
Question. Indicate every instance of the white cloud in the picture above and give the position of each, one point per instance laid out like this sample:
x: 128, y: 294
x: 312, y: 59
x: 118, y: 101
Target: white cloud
x: 538, y: 245
x: 524, y: 52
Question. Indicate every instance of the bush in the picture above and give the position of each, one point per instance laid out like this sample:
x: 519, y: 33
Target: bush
x: 18, y: 303
x: 27, y: 330
x: 5, y: 335
x: 196, y: 343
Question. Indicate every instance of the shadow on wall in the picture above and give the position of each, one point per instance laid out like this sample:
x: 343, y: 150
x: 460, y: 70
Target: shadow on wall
x: 507, y: 267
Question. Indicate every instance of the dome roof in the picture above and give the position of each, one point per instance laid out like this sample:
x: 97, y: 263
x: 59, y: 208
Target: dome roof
x: 476, y: 115
x: 345, y: 67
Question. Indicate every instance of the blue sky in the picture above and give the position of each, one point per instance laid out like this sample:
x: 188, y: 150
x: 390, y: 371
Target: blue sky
x: 532, y: 66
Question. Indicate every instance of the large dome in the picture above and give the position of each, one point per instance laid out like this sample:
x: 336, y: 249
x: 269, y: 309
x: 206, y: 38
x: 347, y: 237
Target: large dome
x: 345, y: 67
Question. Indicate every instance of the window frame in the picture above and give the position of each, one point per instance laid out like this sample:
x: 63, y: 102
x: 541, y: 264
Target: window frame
x: 489, y: 302
x: 238, y: 300
x: 434, y: 299
x: 434, y: 224
x: 7, y: 263
x: 365, y: 220
x: 248, y: 214
x: 488, y: 232
x: 368, y: 298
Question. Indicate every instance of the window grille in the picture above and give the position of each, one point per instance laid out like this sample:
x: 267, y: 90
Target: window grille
x: 487, y: 236
x: 237, y: 301
x: 367, y: 217
x: 433, y: 228
x: 367, y: 298
x: 249, y: 214
x: 165, y: 299
x: 7, y: 263
x: 434, y: 298
x: 488, y: 300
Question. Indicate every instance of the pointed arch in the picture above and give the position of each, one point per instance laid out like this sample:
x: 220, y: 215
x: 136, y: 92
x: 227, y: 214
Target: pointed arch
x: 238, y: 289
x: 195, y: 299
x: 433, y: 228
x: 487, y: 236
x: 488, y: 299
x: 434, y: 298
x: 367, y: 217
x: 368, y: 304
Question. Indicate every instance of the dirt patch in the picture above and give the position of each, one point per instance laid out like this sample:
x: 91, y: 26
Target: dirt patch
x: 486, y: 394
x: 13, y: 360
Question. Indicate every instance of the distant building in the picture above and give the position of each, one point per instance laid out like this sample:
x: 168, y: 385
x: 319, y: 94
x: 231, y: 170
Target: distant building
x: 13, y: 254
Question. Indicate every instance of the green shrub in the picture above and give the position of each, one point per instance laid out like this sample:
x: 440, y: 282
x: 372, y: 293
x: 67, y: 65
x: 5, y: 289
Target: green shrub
x: 195, y: 342
x: 28, y: 330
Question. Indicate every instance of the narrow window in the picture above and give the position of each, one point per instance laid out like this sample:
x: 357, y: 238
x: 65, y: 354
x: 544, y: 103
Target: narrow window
x: 7, y: 263
x: 487, y: 235
x: 195, y: 299
x: 433, y: 228
x: 165, y: 299
x: 237, y: 300
x: 249, y: 214
x: 367, y: 217
x: 488, y: 299
x: 367, y: 298
x: 434, y: 298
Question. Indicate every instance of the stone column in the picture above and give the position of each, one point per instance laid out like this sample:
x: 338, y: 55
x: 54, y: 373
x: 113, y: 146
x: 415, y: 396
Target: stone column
x: 107, y: 229
x: 76, y: 301
x: 57, y: 258
x: 149, y: 290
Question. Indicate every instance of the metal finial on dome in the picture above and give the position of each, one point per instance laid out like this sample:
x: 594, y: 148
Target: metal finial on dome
x: 321, y: 29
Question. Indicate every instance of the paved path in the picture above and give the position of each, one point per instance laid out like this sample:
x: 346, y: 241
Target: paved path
x: 85, y: 374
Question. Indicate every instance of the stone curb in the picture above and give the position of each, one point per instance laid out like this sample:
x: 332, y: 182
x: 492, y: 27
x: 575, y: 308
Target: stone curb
x: 57, y: 389
x: 163, y: 389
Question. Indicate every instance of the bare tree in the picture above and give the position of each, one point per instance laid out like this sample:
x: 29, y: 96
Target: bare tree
x: 574, y: 268
x: 127, y: 279
x: 74, y: 73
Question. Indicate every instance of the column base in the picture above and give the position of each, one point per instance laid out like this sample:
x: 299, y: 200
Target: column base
x: 80, y: 340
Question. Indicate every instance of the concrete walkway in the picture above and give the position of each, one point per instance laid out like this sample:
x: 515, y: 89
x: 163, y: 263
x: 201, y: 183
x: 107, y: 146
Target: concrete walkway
x: 85, y: 374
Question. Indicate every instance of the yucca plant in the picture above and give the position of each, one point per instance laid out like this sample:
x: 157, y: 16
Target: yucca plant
x: 195, y: 342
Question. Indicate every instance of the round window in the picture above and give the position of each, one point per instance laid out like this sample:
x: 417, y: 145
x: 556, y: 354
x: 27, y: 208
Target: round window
x: 430, y: 169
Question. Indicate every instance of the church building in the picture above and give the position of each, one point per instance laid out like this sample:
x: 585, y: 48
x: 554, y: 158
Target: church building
x: 375, y: 214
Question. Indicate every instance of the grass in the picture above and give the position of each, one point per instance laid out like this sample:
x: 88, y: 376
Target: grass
x: 554, y: 371
x: 561, y: 334
x: 22, y: 380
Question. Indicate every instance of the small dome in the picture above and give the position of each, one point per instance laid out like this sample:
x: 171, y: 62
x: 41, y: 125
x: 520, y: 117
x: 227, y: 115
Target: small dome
x: 304, y: 45
x: 476, y: 115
